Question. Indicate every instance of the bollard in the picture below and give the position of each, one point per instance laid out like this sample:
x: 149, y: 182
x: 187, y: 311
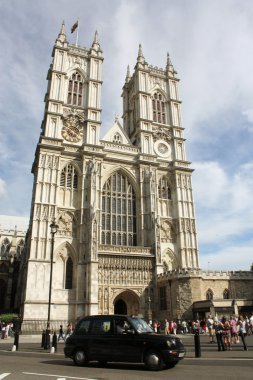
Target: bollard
x: 54, y: 344
x: 197, y: 344
x: 43, y: 338
x: 47, y: 339
x: 16, y: 339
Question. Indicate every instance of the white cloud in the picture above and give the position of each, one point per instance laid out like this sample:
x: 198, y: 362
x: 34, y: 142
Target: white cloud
x: 239, y: 257
x: 224, y: 203
x: 3, y: 190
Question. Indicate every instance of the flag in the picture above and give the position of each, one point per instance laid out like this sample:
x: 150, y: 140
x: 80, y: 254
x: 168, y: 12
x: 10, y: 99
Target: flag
x: 74, y: 27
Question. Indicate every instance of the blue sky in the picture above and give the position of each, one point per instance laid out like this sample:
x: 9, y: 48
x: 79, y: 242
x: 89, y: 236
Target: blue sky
x: 210, y: 45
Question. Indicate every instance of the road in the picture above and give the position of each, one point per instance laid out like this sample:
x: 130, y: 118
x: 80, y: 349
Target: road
x: 31, y: 362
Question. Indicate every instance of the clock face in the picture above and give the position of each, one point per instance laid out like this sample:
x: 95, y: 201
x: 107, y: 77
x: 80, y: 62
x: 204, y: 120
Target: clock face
x: 71, y: 133
x: 162, y: 149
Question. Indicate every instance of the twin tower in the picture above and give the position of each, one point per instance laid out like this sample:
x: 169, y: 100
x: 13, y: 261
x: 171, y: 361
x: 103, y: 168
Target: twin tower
x: 123, y: 204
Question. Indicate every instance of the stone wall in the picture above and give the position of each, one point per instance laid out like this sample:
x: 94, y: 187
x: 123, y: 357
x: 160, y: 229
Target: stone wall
x: 184, y: 287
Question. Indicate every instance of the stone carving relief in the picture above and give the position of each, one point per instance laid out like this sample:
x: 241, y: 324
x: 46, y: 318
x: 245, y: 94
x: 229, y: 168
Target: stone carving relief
x: 167, y: 232
x: 161, y: 134
x: 155, y: 81
x: 169, y: 261
x: 125, y: 271
x: 67, y: 225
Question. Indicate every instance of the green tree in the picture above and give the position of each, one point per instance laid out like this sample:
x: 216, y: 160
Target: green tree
x: 251, y: 267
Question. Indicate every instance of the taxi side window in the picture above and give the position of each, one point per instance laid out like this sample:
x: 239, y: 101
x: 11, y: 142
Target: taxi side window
x: 122, y: 325
x: 101, y: 326
x: 83, y: 327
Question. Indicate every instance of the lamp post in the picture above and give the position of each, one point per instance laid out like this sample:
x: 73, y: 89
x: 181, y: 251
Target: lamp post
x: 54, y: 228
x: 149, y: 309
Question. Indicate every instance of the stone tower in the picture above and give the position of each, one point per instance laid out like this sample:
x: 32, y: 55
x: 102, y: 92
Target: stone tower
x: 152, y: 121
x: 123, y: 204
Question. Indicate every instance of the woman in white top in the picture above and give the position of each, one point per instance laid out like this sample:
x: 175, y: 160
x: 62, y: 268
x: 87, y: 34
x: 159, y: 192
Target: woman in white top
x: 242, y: 331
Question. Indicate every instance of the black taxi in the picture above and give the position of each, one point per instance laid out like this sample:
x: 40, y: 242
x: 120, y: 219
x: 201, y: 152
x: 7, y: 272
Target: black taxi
x: 118, y: 338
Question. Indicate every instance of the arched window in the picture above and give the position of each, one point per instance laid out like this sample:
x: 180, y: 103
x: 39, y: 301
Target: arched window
x: 69, y: 178
x: 20, y: 248
x: 5, y: 248
x: 117, y: 139
x: 164, y: 190
x: 158, y: 105
x: 118, y: 219
x: 69, y: 273
x: 209, y: 294
x: 75, y: 90
x: 226, y: 294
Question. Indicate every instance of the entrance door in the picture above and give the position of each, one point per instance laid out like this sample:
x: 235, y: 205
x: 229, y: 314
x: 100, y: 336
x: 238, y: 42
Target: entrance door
x: 120, y: 307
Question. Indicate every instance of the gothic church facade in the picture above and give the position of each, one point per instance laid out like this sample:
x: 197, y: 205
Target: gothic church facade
x: 123, y: 203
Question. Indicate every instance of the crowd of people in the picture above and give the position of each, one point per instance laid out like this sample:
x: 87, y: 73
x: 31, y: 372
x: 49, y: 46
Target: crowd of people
x: 226, y: 331
x: 6, y: 329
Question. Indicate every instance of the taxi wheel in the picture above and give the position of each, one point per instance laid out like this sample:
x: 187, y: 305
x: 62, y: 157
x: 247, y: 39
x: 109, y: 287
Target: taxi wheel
x: 80, y: 357
x: 153, y: 360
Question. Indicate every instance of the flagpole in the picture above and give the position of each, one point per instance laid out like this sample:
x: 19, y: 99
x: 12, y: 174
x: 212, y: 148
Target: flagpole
x: 77, y: 31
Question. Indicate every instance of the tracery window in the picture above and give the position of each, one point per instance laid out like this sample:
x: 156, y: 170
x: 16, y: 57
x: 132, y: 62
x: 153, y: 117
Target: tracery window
x: 226, y: 294
x: 20, y: 248
x: 5, y: 248
x: 75, y: 90
x: 164, y: 190
x: 69, y: 274
x: 117, y: 139
x: 209, y: 294
x: 69, y: 178
x: 118, y: 219
x: 158, y: 105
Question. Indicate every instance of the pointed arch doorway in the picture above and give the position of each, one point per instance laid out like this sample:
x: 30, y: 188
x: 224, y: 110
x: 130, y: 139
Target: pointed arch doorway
x: 127, y: 303
x: 120, y: 307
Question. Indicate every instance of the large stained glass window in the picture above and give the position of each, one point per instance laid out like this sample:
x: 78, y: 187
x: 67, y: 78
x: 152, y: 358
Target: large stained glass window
x: 118, y: 223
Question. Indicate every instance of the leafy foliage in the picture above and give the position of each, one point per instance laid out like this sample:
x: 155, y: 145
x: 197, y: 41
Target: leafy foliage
x: 8, y: 317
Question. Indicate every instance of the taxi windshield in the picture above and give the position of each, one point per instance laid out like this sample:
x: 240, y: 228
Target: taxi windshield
x: 141, y: 326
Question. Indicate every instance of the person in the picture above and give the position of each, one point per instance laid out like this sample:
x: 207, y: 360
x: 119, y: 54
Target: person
x: 166, y: 327
x: 69, y: 330
x: 226, y: 333
x: 218, y: 327
x: 174, y: 327
x: 3, y: 327
x: 242, y: 331
x: 234, y: 332
x: 61, y: 335
x: 251, y: 323
x: 184, y: 326
x: 209, y: 324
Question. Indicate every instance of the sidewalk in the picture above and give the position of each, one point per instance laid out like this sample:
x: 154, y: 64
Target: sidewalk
x: 32, y: 344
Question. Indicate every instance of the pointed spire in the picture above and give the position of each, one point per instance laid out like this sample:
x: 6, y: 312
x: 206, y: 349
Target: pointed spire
x: 96, y: 45
x: 128, y: 75
x: 96, y: 38
x: 62, y: 28
x: 140, y: 57
x: 169, y: 66
x: 62, y: 35
x: 169, y: 63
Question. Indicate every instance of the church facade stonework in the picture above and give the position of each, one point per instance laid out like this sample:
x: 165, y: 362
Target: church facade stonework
x: 123, y: 203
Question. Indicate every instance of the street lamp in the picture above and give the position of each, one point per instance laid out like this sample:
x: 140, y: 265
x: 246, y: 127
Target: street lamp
x: 149, y: 309
x: 54, y: 228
